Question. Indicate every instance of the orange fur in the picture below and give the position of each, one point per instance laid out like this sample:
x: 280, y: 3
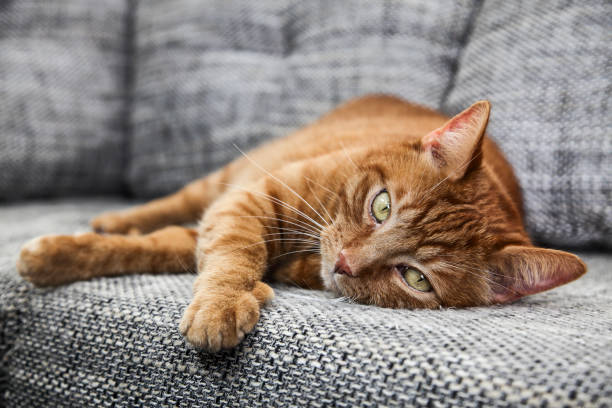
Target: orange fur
x: 53, y: 260
x: 288, y: 209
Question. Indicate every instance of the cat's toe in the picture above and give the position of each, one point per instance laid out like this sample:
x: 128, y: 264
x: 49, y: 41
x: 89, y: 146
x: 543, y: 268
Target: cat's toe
x: 220, y: 322
x: 186, y: 321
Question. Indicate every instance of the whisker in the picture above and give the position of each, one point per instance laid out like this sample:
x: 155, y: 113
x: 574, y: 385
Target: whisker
x: 349, y: 157
x: 298, y: 233
x: 320, y: 203
x: 345, y: 299
x: 281, y: 220
x: 472, y: 268
x: 284, y: 184
x: 292, y: 240
x: 290, y: 230
x: 287, y: 279
x: 278, y: 201
x: 459, y: 267
x: 463, y: 268
x: 183, y: 266
x: 309, y: 250
x: 322, y: 186
x: 314, y: 234
x: 431, y: 190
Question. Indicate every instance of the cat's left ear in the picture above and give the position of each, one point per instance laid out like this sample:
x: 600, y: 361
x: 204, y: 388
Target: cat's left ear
x: 518, y: 271
x: 456, y: 146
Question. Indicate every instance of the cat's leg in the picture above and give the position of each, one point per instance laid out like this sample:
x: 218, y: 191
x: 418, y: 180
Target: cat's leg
x: 53, y: 260
x: 239, y: 238
x: 301, y: 270
x: 184, y: 206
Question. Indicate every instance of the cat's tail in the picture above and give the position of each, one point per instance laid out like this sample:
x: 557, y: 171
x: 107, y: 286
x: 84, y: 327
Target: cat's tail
x: 52, y: 260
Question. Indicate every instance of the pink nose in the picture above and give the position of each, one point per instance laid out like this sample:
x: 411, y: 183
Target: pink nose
x: 342, y: 267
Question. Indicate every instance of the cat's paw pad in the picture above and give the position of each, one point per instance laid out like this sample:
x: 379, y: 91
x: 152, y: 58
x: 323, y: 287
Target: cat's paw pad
x: 214, y: 321
x: 113, y: 223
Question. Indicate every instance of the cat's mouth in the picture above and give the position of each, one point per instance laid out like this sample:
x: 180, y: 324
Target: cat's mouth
x: 336, y: 281
x: 331, y: 279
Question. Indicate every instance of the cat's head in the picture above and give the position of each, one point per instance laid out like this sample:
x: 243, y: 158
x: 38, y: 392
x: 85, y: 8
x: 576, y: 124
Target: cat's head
x: 425, y: 224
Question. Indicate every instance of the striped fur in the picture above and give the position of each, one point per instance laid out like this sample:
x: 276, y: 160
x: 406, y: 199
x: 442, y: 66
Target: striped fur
x: 288, y: 209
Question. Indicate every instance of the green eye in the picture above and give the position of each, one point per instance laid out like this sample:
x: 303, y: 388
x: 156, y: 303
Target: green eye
x: 417, y: 280
x: 381, y: 206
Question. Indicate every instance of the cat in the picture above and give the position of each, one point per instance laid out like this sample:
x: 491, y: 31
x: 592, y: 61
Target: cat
x: 380, y: 201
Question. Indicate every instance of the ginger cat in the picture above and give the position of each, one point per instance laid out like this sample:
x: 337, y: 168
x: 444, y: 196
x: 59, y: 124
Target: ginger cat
x: 380, y: 201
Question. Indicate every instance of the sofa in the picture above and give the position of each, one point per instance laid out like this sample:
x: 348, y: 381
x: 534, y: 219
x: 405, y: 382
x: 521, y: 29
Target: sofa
x: 104, y: 104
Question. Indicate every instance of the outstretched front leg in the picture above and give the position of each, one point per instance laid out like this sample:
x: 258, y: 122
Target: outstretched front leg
x: 53, y: 260
x: 240, y: 237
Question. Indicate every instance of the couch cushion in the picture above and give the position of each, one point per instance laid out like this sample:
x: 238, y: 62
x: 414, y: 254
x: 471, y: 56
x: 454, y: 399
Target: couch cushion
x: 545, y: 66
x: 115, y: 342
x: 243, y: 71
x: 61, y: 97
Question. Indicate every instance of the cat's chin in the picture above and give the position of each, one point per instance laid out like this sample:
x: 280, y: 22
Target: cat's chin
x: 329, y: 281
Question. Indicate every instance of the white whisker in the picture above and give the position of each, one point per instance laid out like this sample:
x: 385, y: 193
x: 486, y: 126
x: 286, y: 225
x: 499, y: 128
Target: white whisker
x: 477, y: 270
x: 290, y: 240
x: 284, y: 184
x: 183, y: 266
x: 320, y: 203
x: 304, y: 225
x: 278, y: 201
x: 464, y: 269
x: 297, y: 233
x: 310, y: 250
x: 431, y: 190
x: 322, y: 186
x: 290, y: 230
x: 348, y: 157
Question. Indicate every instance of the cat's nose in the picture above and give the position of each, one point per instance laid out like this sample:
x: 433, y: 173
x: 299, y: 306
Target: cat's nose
x: 342, y: 267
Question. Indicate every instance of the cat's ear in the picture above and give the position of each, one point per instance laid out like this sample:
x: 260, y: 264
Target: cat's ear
x: 518, y: 271
x: 456, y: 146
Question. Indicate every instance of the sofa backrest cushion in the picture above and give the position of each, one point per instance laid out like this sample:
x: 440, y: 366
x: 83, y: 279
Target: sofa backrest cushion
x: 206, y: 76
x: 246, y: 71
x: 545, y: 67
x: 61, y: 97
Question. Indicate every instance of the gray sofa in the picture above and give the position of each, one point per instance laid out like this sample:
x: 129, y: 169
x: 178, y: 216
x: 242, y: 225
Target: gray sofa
x: 105, y: 104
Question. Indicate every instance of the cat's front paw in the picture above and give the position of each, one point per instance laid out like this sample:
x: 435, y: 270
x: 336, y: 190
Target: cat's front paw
x: 38, y: 260
x: 220, y: 319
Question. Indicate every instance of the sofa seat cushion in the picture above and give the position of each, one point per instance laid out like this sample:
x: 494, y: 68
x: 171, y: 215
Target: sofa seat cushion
x: 115, y: 341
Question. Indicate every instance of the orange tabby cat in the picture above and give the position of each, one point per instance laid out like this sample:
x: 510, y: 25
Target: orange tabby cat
x: 380, y: 201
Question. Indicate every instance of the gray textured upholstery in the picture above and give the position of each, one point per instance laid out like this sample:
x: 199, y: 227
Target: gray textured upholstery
x: 115, y: 341
x: 62, y: 105
x: 244, y: 71
x: 546, y: 68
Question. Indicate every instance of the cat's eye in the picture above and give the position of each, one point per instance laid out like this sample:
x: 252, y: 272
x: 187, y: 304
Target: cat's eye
x: 381, y: 206
x: 416, y: 279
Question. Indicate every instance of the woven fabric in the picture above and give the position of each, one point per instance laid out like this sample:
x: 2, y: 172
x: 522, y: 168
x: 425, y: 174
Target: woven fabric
x: 115, y: 342
x: 62, y: 99
x: 241, y: 71
x: 545, y: 66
